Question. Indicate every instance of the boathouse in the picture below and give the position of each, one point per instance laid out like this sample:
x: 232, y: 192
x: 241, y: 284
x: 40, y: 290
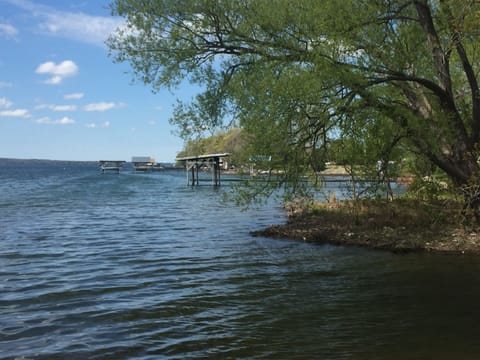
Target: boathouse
x: 209, y: 162
x: 111, y: 165
x: 145, y: 163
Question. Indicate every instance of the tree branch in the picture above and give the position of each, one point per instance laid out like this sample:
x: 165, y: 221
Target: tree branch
x: 469, y: 73
x: 440, y: 57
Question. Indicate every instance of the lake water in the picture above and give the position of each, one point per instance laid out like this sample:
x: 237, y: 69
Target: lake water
x: 141, y: 266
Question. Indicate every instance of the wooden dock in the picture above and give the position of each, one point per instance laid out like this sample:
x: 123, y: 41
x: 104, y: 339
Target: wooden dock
x: 111, y: 165
x: 210, y: 162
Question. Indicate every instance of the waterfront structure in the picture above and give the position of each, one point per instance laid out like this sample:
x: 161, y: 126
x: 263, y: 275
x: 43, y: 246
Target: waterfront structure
x: 145, y: 163
x: 111, y: 165
x: 209, y: 162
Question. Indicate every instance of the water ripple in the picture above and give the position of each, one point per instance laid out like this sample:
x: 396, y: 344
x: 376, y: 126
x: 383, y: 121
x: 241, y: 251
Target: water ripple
x: 141, y: 266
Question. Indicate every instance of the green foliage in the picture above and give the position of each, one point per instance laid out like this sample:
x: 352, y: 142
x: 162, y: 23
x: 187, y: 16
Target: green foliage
x: 232, y: 141
x: 427, y: 189
x: 372, y: 80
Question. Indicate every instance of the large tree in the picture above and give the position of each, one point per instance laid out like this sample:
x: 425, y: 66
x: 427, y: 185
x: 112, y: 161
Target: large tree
x: 292, y: 71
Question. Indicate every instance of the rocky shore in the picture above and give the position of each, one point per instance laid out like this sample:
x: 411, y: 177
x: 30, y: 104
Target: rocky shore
x: 399, y: 226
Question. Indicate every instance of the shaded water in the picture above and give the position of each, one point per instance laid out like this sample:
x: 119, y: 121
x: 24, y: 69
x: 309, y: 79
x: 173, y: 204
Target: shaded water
x: 140, y: 266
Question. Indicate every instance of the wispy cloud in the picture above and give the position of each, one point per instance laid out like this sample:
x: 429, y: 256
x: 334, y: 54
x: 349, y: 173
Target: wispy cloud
x: 76, y: 26
x: 20, y: 113
x: 5, y: 84
x: 80, y: 27
x: 100, y: 106
x: 8, y: 31
x: 103, y: 106
x: 5, y: 103
x: 106, y: 124
x: 62, y: 121
x: 74, y: 96
x: 57, y: 72
x: 57, y: 107
x: 63, y: 108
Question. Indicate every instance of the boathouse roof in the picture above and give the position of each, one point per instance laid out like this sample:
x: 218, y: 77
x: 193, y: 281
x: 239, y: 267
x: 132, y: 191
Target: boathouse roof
x: 202, y: 157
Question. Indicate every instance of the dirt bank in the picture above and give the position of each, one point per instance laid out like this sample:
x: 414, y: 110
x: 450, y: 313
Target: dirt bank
x: 398, y: 226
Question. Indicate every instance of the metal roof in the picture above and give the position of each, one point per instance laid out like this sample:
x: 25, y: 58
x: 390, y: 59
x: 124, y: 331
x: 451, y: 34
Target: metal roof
x: 202, y: 157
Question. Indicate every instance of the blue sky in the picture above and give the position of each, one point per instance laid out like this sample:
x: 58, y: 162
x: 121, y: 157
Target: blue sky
x: 63, y: 98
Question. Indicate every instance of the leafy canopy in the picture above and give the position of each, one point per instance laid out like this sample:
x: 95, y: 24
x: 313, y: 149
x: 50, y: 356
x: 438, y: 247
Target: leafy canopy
x: 297, y: 74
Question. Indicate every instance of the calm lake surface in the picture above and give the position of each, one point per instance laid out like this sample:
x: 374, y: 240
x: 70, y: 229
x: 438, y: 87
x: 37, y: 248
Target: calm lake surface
x: 141, y: 266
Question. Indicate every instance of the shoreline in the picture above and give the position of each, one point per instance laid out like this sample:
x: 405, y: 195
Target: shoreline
x: 400, y: 228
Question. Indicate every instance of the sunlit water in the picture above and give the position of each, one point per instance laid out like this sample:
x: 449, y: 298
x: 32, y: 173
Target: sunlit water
x: 141, y: 266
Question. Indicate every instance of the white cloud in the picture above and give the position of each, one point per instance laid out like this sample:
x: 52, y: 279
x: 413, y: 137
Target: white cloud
x: 21, y: 113
x: 57, y: 107
x: 102, y: 106
x: 80, y: 26
x: 76, y: 26
x: 66, y: 120
x: 74, y: 96
x: 5, y: 103
x: 8, y: 31
x: 58, y: 71
x: 63, y: 121
x: 64, y: 107
x: 106, y: 124
x: 54, y: 80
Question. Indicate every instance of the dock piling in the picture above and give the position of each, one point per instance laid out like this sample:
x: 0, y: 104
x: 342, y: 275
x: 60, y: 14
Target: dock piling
x: 209, y: 161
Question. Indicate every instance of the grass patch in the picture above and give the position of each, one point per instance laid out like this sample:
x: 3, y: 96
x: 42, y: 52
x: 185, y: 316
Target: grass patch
x: 402, y: 212
x: 402, y: 225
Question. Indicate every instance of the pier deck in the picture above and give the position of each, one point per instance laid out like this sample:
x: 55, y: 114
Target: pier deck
x: 212, y: 162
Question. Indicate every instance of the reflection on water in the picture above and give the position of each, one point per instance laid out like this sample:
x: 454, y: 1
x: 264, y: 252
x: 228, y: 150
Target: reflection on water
x: 141, y: 266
